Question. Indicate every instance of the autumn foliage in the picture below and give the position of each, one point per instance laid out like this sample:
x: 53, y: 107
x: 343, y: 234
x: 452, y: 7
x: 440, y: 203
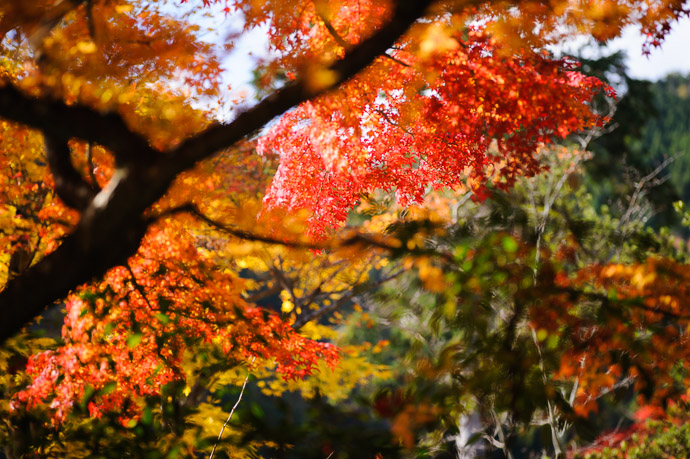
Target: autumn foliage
x: 179, y: 252
x: 382, y: 129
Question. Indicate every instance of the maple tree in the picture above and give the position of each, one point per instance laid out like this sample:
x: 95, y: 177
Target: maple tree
x: 125, y: 199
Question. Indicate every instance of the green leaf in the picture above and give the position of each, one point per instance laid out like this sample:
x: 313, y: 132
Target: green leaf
x: 89, y: 393
x: 256, y: 410
x: 552, y: 342
x: 108, y: 388
x: 134, y: 340
x: 509, y: 244
x: 163, y: 318
x: 147, y: 416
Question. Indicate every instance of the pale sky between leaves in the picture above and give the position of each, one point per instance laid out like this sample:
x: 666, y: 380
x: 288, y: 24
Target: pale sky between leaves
x: 672, y: 56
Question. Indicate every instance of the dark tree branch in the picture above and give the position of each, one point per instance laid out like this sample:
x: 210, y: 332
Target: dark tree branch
x: 90, y: 20
x: 112, y: 226
x: 359, y: 57
x: 396, y: 60
x: 334, y: 33
x: 357, y: 238
x: 232, y: 231
x: 341, y: 41
x: 70, y: 186
x: 59, y: 120
x: 306, y: 302
x: 138, y: 286
x: 264, y: 294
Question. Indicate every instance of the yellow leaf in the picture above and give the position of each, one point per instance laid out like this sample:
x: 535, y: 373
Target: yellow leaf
x: 287, y: 306
x: 436, y: 40
x: 123, y: 8
x: 319, y: 78
x: 86, y: 47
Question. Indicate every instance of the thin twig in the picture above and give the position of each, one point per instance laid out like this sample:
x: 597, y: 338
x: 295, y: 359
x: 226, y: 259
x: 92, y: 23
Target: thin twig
x: 501, y: 442
x: 396, y: 60
x: 239, y: 399
x: 334, y: 33
x: 90, y: 21
x: 552, y: 420
x: 342, y: 42
x: 393, y: 123
x: 549, y: 200
x: 137, y: 286
x: 641, y: 186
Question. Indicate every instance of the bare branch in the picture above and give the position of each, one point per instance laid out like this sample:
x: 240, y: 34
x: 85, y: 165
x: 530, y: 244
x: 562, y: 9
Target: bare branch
x: 641, y: 186
x: 357, y: 238
x: 237, y: 403
x: 551, y: 410
x: 396, y: 60
x: 550, y: 198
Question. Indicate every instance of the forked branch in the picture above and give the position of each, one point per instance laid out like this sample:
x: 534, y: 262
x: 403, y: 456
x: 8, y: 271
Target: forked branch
x: 113, y: 223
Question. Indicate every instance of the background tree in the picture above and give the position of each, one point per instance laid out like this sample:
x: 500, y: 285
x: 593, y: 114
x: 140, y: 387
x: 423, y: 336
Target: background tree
x: 512, y: 316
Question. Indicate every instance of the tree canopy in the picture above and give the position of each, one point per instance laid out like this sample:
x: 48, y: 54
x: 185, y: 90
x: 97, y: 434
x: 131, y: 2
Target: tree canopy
x: 391, y: 145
